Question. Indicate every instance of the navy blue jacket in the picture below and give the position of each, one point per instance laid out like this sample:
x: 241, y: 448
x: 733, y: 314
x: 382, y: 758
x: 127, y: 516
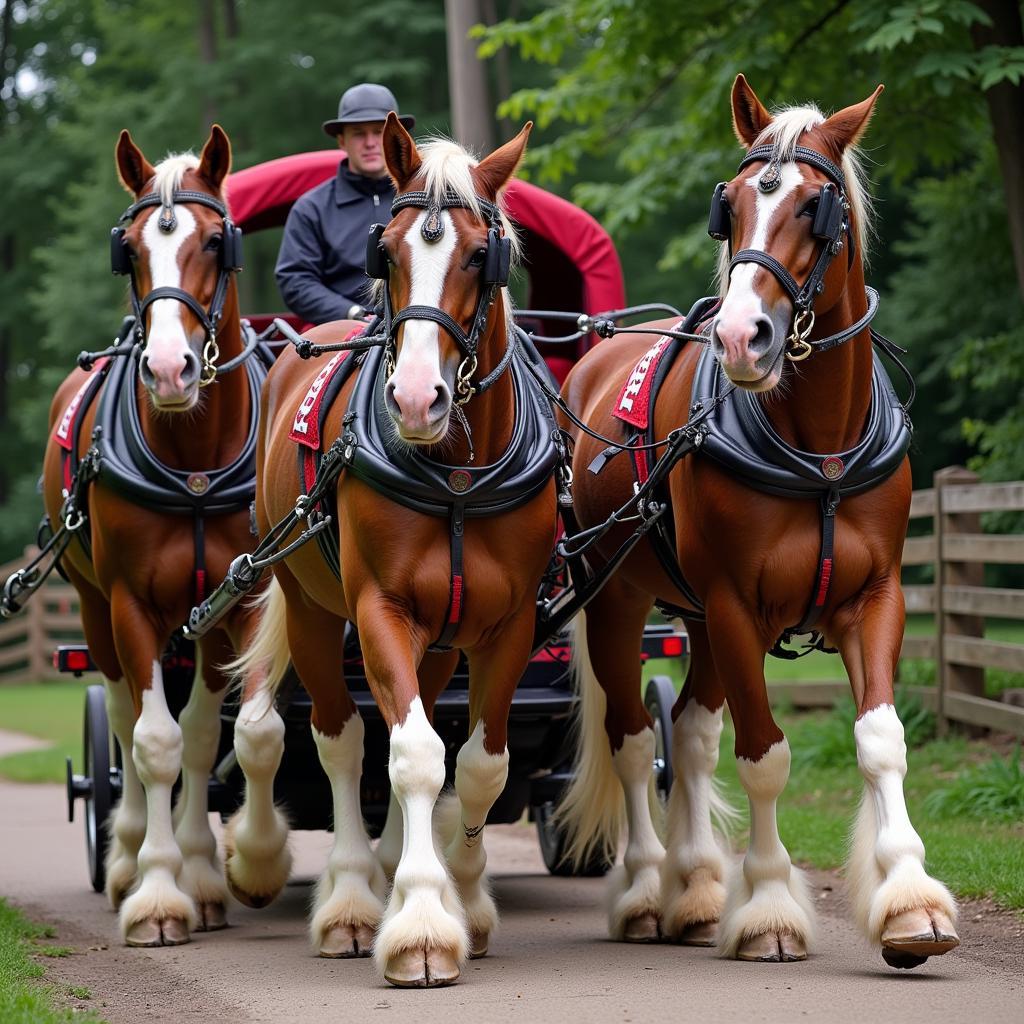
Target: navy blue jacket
x: 321, y: 268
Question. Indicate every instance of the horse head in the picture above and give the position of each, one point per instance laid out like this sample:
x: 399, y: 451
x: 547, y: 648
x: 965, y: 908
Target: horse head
x: 445, y: 256
x: 179, y: 248
x: 796, y: 203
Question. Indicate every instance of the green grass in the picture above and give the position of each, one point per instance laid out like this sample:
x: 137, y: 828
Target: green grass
x: 22, y: 999
x: 49, y: 711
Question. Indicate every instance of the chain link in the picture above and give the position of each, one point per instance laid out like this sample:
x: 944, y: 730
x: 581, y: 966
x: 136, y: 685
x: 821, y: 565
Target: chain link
x: 211, y: 353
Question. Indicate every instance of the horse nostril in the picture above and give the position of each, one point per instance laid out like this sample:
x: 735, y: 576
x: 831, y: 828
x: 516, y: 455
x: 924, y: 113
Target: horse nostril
x: 145, y: 373
x: 763, y: 337
x: 442, y: 400
x: 191, y: 371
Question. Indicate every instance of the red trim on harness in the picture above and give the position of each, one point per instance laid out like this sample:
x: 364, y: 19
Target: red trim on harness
x: 456, y: 609
x: 306, y: 425
x: 64, y: 432
x: 633, y: 405
x: 200, y: 585
x: 308, y: 469
x: 642, y: 469
x: 826, y: 576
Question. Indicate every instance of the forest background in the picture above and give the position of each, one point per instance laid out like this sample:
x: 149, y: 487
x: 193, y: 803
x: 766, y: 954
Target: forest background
x: 631, y: 99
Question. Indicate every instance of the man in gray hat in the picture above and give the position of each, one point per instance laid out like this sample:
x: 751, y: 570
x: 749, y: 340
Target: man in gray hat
x: 321, y: 265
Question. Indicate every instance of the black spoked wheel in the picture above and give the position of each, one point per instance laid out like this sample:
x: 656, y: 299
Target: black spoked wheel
x: 553, y: 845
x: 100, y: 797
x: 659, y: 698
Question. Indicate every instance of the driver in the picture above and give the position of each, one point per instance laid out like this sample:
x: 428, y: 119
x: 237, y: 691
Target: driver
x: 321, y: 265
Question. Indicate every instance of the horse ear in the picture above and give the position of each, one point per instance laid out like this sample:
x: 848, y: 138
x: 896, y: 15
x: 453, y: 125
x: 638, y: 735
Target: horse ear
x: 492, y: 174
x: 133, y: 168
x: 400, y: 152
x: 847, y: 126
x: 749, y: 116
x: 215, y: 161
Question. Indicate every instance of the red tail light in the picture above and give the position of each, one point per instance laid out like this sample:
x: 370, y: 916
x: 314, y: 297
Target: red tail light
x: 77, y: 661
x: 672, y: 647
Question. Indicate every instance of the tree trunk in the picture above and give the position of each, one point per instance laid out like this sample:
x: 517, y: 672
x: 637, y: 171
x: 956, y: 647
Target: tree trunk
x: 208, y: 56
x: 231, y: 27
x: 467, y: 79
x: 6, y: 251
x: 1006, y: 109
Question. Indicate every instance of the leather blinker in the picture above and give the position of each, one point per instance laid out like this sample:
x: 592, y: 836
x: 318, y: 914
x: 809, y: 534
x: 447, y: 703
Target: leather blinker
x: 120, y: 260
x: 376, y: 260
x: 719, y: 222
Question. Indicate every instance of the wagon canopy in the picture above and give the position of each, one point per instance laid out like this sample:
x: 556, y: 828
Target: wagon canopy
x: 570, y: 262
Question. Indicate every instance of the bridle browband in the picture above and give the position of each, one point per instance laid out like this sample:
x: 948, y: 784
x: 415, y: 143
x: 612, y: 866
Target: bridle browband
x: 230, y: 263
x: 831, y: 224
x: 494, y: 276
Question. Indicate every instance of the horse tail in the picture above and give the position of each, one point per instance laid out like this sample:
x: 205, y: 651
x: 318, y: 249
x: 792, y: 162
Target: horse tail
x: 268, y: 654
x: 592, y: 811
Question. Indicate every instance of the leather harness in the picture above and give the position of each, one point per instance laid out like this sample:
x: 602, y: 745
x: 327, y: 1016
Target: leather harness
x: 433, y: 488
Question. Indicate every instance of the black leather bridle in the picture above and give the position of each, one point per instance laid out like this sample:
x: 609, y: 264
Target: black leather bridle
x: 493, y: 276
x: 830, y: 226
x: 230, y: 262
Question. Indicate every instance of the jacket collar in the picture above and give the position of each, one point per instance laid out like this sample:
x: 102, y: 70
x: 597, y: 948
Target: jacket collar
x: 350, y: 187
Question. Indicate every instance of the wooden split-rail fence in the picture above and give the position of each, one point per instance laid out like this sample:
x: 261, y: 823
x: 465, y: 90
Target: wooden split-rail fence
x: 958, y: 601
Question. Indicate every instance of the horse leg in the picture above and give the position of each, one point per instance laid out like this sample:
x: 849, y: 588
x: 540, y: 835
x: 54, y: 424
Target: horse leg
x: 157, y: 912
x: 349, y: 898
x: 257, y: 861
x: 768, y: 914
x: 127, y: 822
x: 481, y: 771
x: 435, y: 671
x: 201, y: 875
x: 617, y: 745
x: 693, y: 870
x: 422, y: 938
x: 895, y: 902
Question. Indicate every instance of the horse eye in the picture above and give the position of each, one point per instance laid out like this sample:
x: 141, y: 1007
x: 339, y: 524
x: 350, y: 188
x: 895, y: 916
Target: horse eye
x: 477, y: 259
x: 214, y: 244
x: 811, y: 208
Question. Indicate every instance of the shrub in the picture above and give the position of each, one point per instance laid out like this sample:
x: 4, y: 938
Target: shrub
x: 993, y: 790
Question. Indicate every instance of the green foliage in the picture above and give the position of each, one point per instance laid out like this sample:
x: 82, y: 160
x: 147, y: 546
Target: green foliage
x: 991, y: 791
x: 830, y: 743
x: 51, y: 711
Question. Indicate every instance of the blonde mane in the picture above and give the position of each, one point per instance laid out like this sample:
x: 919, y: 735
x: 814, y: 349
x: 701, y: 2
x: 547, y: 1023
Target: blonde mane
x: 784, y: 133
x: 169, y: 173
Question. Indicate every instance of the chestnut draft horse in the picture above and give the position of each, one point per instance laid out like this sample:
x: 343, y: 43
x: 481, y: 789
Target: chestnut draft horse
x: 413, y: 576
x: 762, y: 546
x: 165, y: 491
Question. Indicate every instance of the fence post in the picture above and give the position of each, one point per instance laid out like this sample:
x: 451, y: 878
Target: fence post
x: 949, y: 676
x: 38, y: 663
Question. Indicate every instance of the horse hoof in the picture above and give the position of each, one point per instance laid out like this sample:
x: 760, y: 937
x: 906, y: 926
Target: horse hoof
x: 478, y: 944
x: 212, y: 917
x: 152, y: 932
x: 422, y: 968
x: 346, y: 941
x: 913, y: 936
x: 772, y: 948
x: 703, y: 933
x: 642, y: 928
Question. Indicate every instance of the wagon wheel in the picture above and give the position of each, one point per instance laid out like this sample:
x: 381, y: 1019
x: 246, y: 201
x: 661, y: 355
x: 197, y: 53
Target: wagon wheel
x: 659, y: 698
x: 100, y: 795
x: 553, y: 845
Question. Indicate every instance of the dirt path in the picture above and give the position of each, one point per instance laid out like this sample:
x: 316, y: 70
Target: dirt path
x: 18, y: 743
x: 548, y: 963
